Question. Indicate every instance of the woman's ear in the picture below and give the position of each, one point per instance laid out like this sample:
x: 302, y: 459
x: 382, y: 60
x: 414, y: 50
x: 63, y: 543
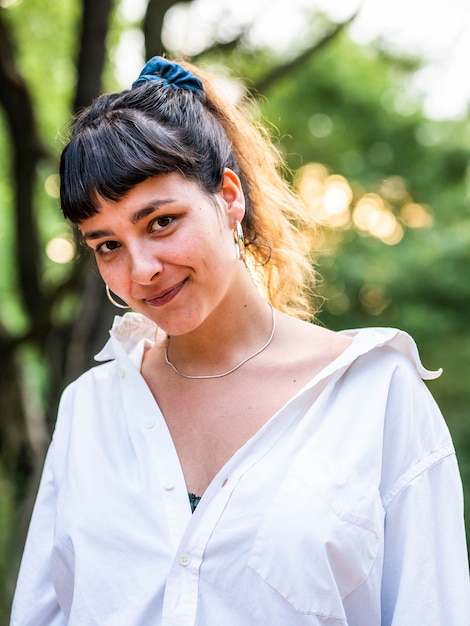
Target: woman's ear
x: 232, y: 193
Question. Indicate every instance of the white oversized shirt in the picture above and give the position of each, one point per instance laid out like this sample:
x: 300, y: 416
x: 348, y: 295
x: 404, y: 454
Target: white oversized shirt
x: 344, y: 509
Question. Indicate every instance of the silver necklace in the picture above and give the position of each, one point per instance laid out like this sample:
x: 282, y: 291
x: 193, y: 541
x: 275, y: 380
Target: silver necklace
x: 248, y: 358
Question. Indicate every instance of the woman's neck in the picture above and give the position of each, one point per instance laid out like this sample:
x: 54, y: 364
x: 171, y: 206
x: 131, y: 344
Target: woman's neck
x: 231, y: 334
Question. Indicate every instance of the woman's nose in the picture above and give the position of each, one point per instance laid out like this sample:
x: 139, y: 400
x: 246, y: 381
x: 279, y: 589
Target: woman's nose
x: 145, y: 265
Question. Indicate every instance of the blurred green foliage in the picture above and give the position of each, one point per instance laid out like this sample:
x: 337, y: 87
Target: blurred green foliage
x: 350, y: 111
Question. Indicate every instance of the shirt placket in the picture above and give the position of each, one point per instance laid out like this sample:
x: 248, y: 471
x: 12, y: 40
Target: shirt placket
x: 182, y: 588
x: 152, y: 439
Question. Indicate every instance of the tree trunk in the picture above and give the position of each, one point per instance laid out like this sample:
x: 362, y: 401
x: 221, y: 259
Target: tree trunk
x: 153, y: 26
x: 16, y: 449
x: 21, y: 455
x: 92, y: 51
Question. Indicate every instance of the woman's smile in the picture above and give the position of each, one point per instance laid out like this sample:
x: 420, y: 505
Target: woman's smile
x: 166, y: 295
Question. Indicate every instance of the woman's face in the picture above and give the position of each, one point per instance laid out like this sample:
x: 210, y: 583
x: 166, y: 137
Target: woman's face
x: 167, y: 250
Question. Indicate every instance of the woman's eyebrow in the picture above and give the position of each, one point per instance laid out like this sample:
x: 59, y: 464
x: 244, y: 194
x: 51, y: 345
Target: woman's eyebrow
x: 152, y: 206
x: 96, y: 234
x: 135, y: 218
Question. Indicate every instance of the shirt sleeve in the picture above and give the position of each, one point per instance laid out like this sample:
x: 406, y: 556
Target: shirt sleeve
x: 35, y: 602
x: 426, y: 574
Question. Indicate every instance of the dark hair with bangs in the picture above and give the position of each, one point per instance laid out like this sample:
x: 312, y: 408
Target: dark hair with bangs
x: 156, y: 128
x: 123, y: 139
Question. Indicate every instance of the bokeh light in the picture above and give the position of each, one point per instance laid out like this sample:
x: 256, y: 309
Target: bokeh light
x: 341, y: 205
x: 51, y: 185
x: 60, y: 249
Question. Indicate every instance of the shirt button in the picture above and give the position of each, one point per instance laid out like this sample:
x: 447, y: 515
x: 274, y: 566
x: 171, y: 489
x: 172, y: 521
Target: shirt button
x: 149, y: 424
x: 167, y: 484
x: 121, y: 372
x: 185, y: 560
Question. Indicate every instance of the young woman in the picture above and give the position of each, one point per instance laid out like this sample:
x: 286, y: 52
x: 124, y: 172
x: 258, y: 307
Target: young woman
x: 230, y: 463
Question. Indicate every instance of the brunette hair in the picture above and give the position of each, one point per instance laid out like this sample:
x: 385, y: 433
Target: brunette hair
x: 124, y: 138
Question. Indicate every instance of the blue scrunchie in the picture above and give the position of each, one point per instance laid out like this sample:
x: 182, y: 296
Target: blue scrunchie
x: 168, y: 73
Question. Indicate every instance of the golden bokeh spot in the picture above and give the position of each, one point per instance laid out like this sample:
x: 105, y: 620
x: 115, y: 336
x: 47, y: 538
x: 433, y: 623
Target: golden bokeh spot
x: 338, y: 305
x: 374, y: 299
x: 51, y: 185
x: 337, y: 195
x: 371, y: 215
x: 328, y: 196
x: 394, y: 188
x: 310, y: 181
x: 384, y: 226
x: 365, y: 210
x: 416, y: 215
x: 60, y: 249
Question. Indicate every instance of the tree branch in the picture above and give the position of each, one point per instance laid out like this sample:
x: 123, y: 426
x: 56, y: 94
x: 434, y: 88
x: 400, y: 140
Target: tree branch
x: 279, y: 71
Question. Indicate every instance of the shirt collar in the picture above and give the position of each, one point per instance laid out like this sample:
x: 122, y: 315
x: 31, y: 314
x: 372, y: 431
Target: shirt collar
x: 127, y: 332
x: 367, y: 339
x: 130, y: 331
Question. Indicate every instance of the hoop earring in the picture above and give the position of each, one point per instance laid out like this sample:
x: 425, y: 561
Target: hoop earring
x: 239, y: 240
x: 113, y: 301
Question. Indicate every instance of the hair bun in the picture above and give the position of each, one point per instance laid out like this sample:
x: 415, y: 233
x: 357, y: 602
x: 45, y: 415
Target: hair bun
x: 169, y: 73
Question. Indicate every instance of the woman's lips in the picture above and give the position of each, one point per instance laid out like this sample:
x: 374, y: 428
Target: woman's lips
x: 166, y: 296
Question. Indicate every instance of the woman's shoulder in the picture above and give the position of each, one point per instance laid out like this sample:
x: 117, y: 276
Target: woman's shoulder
x: 380, y: 346
x: 306, y: 348
x: 301, y: 337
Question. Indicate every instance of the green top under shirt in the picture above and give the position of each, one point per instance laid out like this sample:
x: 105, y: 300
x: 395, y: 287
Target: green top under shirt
x: 193, y: 501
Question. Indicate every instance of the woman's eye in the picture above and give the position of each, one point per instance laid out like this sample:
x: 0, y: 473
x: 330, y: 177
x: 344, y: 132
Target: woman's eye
x: 106, y: 247
x: 161, y: 222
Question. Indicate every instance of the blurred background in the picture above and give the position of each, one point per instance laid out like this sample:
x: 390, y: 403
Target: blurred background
x: 369, y: 103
